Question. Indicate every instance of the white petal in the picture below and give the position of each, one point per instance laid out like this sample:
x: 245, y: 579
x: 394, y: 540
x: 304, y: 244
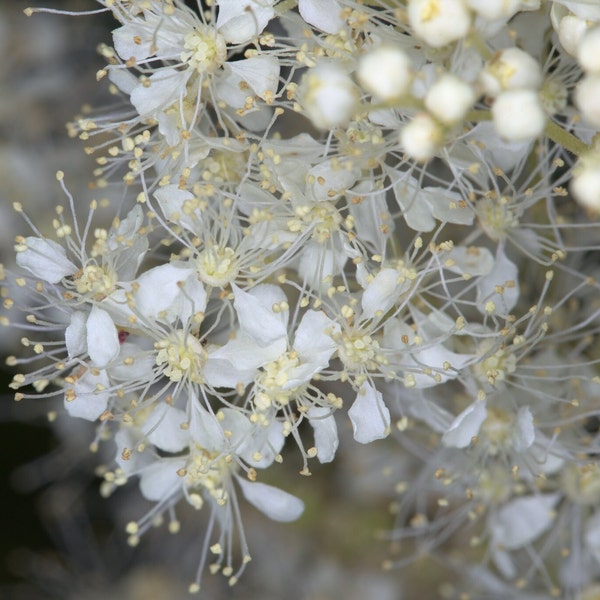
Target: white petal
x: 271, y: 501
x: 181, y: 294
x: 45, y: 259
x: 504, y: 274
x: 475, y: 260
x: 322, y: 14
x: 172, y: 201
x: 327, y: 181
x: 326, y: 434
x: 266, y: 440
x: 163, y: 428
x: 466, y: 425
x: 417, y: 212
x: 159, y: 91
x: 372, y: 219
x: 261, y: 73
x: 75, y: 334
x: 524, y: 431
x: 522, y: 520
x: 370, y: 417
x: 313, y: 341
x: 90, y: 398
x: 102, y: 337
x: 132, y: 363
x: 239, y: 21
x: 160, y: 480
x: 257, y: 318
x: 382, y: 292
x: 136, y: 461
x: 124, y: 80
x: 447, y: 206
x: 205, y: 429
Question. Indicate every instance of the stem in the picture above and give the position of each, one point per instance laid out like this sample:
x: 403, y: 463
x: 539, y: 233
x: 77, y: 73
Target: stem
x: 566, y: 139
x: 477, y: 116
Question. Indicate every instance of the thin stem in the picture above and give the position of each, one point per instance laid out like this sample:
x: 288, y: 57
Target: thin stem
x: 566, y: 139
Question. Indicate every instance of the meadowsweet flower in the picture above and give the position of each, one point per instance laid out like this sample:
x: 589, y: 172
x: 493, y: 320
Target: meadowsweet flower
x: 337, y: 223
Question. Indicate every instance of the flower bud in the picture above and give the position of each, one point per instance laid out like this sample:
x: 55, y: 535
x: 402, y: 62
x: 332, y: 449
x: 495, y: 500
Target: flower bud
x: 570, y: 31
x: 449, y: 99
x: 518, y: 115
x: 588, y: 51
x: 511, y: 69
x: 439, y: 22
x: 328, y: 95
x: 421, y: 137
x: 585, y: 184
x: 587, y: 93
x: 385, y: 72
x: 495, y: 9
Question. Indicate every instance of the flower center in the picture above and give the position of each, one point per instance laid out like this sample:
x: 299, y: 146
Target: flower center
x: 358, y: 350
x: 205, y: 472
x: 182, y: 356
x: 217, y: 266
x: 94, y: 280
x: 323, y: 217
x: 206, y: 49
x: 494, y: 368
x: 496, y: 429
x: 272, y: 383
x: 496, y: 217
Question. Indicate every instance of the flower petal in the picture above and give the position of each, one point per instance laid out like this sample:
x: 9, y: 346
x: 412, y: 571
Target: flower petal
x: 466, y: 425
x: 271, y: 501
x: 326, y: 434
x: 45, y: 259
x: 370, y: 417
x: 102, y: 338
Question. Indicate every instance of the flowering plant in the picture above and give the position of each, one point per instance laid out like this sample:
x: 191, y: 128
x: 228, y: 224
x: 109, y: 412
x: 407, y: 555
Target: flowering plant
x: 335, y: 214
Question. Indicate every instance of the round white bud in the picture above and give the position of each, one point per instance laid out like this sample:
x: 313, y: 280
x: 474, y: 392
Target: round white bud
x: 439, y: 22
x: 588, y: 51
x: 449, y: 99
x: 422, y: 137
x: 511, y: 69
x: 495, y: 9
x: 587, y: 94
x: 518, y: 115
x: 585, y: 184
x: 385, y: 72
x: 328, y: 95
x: 570, y: 31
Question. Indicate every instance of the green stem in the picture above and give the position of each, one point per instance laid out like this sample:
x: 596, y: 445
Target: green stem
x: 565, y: 139
x: 477, y: 116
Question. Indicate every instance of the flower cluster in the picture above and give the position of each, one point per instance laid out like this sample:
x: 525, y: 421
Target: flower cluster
x: 329, y: 213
